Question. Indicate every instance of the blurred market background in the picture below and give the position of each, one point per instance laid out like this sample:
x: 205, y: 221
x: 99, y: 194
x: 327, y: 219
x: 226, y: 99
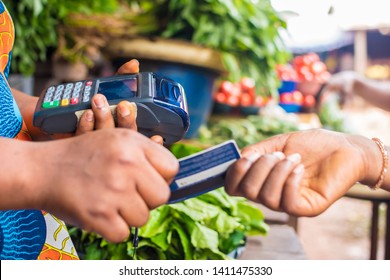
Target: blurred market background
x: 251, y: 69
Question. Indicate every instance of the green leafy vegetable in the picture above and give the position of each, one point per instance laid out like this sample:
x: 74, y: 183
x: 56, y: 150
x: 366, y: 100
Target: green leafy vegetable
x: 193, y: 229
x: 245, y: 131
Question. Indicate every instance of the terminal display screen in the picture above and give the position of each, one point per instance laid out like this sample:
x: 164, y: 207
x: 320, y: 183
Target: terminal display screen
x: 121, y: 89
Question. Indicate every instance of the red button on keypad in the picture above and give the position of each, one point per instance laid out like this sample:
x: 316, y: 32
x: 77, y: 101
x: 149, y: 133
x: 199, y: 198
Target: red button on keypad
x: 74, y: 101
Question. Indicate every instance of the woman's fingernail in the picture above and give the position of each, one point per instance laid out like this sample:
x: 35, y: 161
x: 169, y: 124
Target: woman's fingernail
x: 124, y: 111
x: 89, y: 116
x: 252, y: 156
x: 134, y: 109
x: 294, y: 158
x: 279, y: 155
x: 99, y: 102
x: 299, y: 169
x: 247, y: 151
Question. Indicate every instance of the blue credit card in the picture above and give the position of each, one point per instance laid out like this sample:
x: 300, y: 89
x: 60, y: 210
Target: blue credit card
x: 204, y: 171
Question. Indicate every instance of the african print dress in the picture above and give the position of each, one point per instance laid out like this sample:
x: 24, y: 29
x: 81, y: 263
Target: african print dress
x: 24, y: 234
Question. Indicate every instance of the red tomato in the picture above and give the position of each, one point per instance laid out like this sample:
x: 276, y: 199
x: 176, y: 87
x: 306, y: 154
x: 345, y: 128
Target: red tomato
x: 318, y: 67
x: 312, y: 57
x: 307, y: 60
x: 236, y: 90
x: 260, y: 101
x: 286, y: 72
x: 252, y: 92
x: 309, y: 101
x: 303, y: 70
x: 246, y: 100
x: 298, y: 61
x: 247, y: 84
x: 220, y: 97
x: 226, y: 87
x: 286, y: 98
x: 279, y: 70
x: 297, y: 97
x: 233, y: 100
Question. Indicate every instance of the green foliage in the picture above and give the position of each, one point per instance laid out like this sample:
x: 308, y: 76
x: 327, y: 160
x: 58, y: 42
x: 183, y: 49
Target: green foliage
x: 207, y: 227
x: 36, y: 26
x: 245, y: 31
x: 245, y: 131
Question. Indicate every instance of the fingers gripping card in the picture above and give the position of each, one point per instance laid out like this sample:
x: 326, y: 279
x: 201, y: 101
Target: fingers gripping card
x: 204, y: 171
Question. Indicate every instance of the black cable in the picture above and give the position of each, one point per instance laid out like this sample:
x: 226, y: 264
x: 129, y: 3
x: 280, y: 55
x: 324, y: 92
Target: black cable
x: 135, y: 242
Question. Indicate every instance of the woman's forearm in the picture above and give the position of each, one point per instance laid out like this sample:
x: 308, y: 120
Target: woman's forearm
x: 18, y: 166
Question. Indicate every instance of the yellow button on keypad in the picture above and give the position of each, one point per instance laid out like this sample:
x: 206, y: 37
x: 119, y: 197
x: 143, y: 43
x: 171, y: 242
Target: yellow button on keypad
x: 64, y: 102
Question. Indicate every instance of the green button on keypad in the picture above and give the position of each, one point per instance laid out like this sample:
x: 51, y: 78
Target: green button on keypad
x: 50, y: 104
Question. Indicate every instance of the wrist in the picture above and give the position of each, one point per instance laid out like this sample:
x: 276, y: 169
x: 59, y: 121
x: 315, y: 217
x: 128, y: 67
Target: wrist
x: 355, y: 83
x: 372, y: 161
x: 32, y: 181
x: 359, y: 85
x: 45, y: 172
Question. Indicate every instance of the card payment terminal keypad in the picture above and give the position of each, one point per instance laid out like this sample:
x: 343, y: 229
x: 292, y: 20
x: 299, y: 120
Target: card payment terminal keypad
x: 68, y: 94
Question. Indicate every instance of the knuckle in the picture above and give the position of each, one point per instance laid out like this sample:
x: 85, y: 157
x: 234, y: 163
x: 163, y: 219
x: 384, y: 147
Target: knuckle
x: 291, y: 208
x: 240, y: 167
x: 283, y: 165
x: 160, y: 197
x: 142, y: 219
x: 272, y: 202
x: 114, y: 184
x: 117, y: 235
x: 125, y: 124
x: 82, y: 127
x: 165, y: 194
x: 174, y: 167
x: 104, y: 115
x: 268, y: 160
x: 101, y: 210
x: 249, y: 190
x: 129, y: 135
x: 229, y: 189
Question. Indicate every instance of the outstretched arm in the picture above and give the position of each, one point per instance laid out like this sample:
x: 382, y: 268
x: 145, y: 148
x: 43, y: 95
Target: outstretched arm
x: 349, y: 83
x: 303, y: 173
